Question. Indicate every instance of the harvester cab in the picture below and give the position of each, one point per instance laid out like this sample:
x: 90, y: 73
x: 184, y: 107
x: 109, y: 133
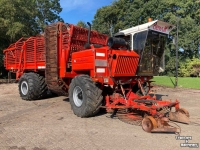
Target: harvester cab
x: 148, y: 41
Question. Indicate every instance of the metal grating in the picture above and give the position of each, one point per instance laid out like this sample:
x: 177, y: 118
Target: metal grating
x: 40, y: 51
x: 30, y: 50
x: 12, y: 53
x: 126, y: 65
x: 33, y: 52
x: 79, y: 37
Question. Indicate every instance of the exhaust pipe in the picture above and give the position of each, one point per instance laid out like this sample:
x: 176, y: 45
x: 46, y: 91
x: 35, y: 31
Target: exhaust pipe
x: 89, y: 32
x: 87, y: 45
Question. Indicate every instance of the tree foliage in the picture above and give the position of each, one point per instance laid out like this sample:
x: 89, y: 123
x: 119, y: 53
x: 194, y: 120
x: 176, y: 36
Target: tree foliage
x: 25, y: 18
x: 190, y: 68
x: 82, y: 24
x: 105, y: 19
x: 185, y: 14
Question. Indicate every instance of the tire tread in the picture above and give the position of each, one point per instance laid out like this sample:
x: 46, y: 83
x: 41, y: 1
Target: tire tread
x: 37, y: 86
x: 93, y: 96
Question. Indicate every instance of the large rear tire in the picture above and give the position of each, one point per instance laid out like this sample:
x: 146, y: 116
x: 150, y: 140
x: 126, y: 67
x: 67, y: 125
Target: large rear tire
x: 32, y: 86
x: 85, y: 97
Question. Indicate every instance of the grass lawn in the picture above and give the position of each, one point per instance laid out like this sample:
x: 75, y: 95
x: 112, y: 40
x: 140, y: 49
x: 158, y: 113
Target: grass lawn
x: 183, y: 82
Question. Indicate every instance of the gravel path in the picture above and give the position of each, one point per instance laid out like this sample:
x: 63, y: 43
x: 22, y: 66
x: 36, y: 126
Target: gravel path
x: 50, y: 124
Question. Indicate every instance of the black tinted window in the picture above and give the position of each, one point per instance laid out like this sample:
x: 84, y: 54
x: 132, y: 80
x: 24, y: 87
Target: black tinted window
x: 139, y: 40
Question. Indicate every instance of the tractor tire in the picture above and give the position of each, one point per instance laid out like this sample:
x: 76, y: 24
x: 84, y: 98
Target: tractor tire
x: 84, y: 96
x: 32, y: 86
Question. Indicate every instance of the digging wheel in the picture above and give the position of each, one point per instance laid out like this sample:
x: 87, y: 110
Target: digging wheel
x: 149, y: 123
x: 129, y: 117
x: 32, y: 86
x: 85, y: 97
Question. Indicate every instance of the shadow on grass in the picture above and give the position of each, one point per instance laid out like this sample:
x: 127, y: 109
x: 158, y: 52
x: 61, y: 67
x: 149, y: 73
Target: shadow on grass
x: 172, y: 81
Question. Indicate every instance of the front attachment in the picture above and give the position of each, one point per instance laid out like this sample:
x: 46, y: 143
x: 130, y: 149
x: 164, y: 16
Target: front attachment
x: 158, y: 125
x: 149, y: 123
x: 181, y: 115
x: 129, y: 117
x: 152, y: 114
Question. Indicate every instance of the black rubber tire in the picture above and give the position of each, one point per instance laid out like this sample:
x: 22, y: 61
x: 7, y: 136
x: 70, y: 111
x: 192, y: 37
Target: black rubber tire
x: 37, y: 87
x: 91, y: 96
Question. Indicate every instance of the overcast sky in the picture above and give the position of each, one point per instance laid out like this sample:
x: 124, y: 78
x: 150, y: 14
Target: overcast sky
x: 76, y: 10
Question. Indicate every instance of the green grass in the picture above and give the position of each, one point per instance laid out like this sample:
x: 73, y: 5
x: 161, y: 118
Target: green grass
x: 183, y: 82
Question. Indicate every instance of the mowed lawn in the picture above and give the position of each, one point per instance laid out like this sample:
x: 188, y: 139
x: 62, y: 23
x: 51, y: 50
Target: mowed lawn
x: 183, y: 82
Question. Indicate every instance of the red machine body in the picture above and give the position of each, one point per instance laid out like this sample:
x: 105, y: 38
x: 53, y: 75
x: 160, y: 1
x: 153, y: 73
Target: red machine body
x: 28, y: 54
x: 101, y: 69
x: 111, y: 73
x: 25, y: 54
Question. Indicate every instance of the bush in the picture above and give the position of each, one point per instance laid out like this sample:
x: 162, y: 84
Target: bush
x: 190, y: 68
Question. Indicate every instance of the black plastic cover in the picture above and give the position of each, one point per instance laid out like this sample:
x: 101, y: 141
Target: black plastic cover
x: 114, y: 42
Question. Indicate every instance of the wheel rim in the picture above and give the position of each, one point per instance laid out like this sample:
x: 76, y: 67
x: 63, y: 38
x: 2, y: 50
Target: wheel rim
x: 147, y: 125
x: 24, y: 87
x: 78, y: 96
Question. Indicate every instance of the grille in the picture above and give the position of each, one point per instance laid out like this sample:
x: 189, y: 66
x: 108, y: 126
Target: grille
x: 126, y: 66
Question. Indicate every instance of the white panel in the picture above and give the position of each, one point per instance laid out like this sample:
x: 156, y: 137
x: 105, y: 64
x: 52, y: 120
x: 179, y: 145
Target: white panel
x: 100, y: 70
x: 41, y: 67
x: 157, y: 25
x: 100, y: 54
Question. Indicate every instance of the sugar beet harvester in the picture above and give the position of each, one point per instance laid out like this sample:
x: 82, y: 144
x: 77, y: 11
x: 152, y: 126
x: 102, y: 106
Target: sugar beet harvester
x: 97, y: 71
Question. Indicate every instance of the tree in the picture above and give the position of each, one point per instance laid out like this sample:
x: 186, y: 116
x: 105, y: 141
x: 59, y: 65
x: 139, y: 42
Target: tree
x: 105, y: 19
x: 82, y: 24
x: 190, y: 68
x: 25, y: 18
x: 19, y: 17
x: 123, y: 14
x: 47, y: 11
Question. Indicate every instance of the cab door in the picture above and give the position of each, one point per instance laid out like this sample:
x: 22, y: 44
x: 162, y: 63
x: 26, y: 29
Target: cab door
x: 152, y: 54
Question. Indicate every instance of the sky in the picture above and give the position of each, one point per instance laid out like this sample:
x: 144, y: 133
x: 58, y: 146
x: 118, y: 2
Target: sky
x: 81, y: 10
